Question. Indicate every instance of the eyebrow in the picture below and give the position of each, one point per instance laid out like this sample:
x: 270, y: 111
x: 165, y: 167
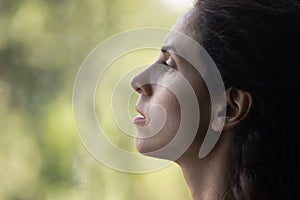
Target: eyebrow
x: 168, y: 48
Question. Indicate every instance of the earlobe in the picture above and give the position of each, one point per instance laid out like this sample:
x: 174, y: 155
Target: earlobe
x: 239, y: 103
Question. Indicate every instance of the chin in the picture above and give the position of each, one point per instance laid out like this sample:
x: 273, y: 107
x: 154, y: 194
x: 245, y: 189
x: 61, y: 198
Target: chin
x: 153, y: 146
x: 145, y: 145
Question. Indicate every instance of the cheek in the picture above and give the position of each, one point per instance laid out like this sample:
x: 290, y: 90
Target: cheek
x: 168, y: 101
x: 204, y: 102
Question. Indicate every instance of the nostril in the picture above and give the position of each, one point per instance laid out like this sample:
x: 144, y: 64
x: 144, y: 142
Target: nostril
x: 138, y: 90
x: 146, y: 90
x: 140, y: 85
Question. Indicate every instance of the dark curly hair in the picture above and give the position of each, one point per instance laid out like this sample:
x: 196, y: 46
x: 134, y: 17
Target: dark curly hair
x: 255, y: 45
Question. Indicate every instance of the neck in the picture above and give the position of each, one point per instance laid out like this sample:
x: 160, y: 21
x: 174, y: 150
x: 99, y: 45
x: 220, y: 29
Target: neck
x: 207, y: 178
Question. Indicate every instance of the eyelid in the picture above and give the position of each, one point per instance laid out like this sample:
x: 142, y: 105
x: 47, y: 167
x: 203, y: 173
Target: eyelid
x: 167, y: 57
x: 169, y: 62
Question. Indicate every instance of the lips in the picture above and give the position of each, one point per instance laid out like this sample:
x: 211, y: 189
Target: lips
x: 141, y: 119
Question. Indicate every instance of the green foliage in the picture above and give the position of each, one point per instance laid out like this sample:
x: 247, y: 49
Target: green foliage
x: 42, y: 44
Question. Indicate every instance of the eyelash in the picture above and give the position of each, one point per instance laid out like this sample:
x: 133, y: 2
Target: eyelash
x: 165, y: 63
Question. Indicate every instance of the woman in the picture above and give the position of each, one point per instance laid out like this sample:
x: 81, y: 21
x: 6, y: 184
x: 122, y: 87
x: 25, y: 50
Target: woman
x: 254, y: 44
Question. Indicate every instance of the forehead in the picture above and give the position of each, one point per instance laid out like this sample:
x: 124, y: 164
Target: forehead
x: 184, y: 23
x: 180, y: 38
x: 183, y: 26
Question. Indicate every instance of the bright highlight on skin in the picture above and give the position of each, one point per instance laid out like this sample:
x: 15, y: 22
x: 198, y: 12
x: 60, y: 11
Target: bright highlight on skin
x: 179, y: 3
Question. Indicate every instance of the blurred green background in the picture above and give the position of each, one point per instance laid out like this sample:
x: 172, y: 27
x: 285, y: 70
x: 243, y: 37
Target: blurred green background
x: 42, y: 45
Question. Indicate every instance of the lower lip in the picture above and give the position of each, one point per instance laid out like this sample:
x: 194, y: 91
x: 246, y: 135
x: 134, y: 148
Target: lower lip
x: 139, y: 121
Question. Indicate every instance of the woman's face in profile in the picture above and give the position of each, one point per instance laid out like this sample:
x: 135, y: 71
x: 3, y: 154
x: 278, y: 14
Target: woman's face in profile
x: 159, y: 107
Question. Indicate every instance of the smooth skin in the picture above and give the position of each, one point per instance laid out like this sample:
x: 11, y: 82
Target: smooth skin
x: 207, y: 178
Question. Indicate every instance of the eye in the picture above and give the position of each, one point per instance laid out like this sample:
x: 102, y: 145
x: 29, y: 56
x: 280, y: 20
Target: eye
x: 169, y: 62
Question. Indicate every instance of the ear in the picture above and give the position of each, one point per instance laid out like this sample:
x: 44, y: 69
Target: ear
x: 238, y: 104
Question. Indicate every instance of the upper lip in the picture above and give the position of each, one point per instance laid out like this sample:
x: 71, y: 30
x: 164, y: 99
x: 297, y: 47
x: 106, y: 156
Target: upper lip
x: 138, y: 109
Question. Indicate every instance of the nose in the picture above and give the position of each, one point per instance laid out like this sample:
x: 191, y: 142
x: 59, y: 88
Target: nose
x: 141, y: 83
